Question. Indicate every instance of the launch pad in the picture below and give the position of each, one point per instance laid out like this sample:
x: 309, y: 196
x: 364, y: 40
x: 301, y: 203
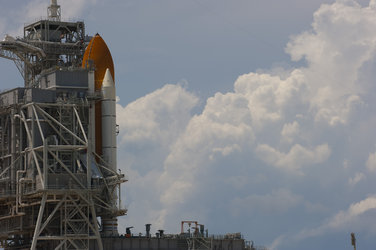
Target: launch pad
x: 59, y: 181
x: 56, y: 190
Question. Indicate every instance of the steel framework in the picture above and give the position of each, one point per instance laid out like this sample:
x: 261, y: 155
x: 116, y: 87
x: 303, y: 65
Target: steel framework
x: 54, y: 188
x: 46, y: 44
x: 49, y: 192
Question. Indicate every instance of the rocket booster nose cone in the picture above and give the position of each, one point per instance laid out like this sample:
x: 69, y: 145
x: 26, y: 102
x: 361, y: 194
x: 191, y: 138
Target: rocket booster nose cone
x: 108, y: 86
x: 108, y: 80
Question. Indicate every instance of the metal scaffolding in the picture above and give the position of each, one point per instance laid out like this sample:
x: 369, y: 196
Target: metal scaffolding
x: 54, y: 188
x: 46, y: 44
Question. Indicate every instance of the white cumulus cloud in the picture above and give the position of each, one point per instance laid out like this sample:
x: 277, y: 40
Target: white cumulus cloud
x: 357, y: 178
x: 371, y: 162
x: 336, y: 50
x: 156, y: 118
x: 148, y: 127
x: 279, y: 144
x: 297, y: 157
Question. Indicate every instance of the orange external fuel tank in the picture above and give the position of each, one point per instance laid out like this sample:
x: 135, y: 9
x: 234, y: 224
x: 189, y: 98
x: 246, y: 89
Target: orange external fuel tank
x: 98, y: 55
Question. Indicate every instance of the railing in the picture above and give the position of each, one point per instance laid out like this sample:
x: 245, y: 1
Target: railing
x: 44, y: 18
x: 64, y: 186
x: 213, y: 236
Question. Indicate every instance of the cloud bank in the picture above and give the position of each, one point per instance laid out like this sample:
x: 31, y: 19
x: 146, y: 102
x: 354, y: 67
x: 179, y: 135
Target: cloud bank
x: 295, y: 147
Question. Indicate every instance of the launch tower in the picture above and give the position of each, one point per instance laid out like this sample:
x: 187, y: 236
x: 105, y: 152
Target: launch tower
x: 59, y: 184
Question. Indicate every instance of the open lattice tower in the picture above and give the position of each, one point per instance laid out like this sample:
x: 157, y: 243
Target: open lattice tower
x: 57, y: 191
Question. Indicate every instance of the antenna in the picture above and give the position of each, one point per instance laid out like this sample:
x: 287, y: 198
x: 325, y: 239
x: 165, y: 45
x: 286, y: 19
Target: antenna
x: 53, y: 11
x: 353, y: 240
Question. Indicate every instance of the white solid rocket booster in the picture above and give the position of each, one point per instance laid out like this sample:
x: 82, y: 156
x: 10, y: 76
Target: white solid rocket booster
x: 109, y: 120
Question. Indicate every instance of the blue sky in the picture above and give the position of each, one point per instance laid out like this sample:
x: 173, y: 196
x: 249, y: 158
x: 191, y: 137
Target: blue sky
x: 249, y: 116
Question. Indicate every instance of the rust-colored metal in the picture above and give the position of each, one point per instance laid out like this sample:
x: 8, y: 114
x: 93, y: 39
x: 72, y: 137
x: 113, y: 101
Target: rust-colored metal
x: 98, y: 55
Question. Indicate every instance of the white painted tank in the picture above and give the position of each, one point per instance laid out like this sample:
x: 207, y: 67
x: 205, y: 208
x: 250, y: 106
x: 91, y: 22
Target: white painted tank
x: 109, y: 120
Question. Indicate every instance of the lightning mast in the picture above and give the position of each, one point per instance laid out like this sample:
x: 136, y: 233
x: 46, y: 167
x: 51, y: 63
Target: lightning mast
x: 53, y: 11
x: 54, y: 184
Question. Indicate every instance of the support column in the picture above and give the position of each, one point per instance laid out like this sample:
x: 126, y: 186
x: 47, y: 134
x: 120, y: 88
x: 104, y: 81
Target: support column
x: 39, y: 221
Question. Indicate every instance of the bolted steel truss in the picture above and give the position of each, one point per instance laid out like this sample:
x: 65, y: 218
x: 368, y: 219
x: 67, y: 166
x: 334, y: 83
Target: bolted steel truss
x: 46, y: 44
x: 53, y: 186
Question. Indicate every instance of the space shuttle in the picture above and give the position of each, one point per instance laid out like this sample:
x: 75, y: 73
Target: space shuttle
x: 98, y: 57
